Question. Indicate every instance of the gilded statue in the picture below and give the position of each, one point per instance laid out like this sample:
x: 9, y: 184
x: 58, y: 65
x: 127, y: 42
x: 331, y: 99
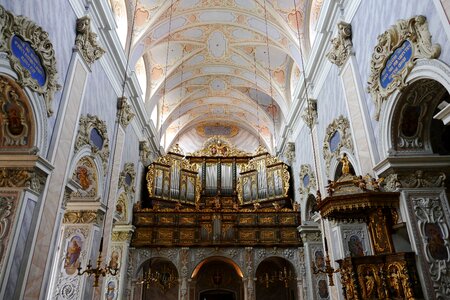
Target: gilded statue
x: 345, y: 164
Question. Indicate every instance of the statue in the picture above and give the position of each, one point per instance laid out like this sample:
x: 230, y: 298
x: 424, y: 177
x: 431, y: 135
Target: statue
x: 361, y: 183
x: 330, y: 187
x: 345, y: 164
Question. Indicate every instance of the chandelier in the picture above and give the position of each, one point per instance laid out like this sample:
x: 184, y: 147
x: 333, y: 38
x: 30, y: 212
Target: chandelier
x: 164, y: 279
x: 98, y: 270
x: 283, y: 276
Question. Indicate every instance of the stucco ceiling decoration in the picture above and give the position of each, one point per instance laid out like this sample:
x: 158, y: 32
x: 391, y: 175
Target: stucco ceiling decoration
x: 210, y: 75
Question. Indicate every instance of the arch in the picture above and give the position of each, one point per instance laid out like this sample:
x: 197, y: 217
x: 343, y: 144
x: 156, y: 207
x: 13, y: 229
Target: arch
x: 85, y: 155
x: 38, y: 112
x: 335, y: 165
x: 424, y: 69
x: 217, y: 258
x: 276, y: 277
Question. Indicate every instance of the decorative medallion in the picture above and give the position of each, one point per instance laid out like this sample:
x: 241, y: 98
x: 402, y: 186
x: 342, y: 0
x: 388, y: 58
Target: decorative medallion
x: 93, y: 132
x: 307, y: 180
x: 341, y: 45
x: 86, y: 41
x: 395, y: 55
x: 16, y: 118
x: 337, y: 137
x: 31, y: 55
x: 217, y: 128
x: 85, y: 174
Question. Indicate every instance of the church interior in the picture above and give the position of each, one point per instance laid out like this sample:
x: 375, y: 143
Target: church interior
x: 224, y: 149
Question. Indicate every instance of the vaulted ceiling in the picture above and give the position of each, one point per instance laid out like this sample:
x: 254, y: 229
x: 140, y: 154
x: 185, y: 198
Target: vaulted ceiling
x: 217, y: 67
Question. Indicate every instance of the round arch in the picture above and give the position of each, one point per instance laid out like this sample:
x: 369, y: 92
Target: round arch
x: 425, y: 69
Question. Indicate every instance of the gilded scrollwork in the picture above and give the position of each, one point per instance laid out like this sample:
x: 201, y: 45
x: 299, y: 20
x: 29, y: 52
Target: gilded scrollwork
x: 83, y: 217
x: 12, y: 26
x: 413, y: 31
x: 341, y: 45
x: 86, y: 41
x: 22, y: 178
x: 340, y: 127
x: 87, y: 125
x: 219, y: 146
x: 121, y: 236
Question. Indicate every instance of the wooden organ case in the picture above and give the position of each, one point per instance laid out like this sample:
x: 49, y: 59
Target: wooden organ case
x: 218, y: 196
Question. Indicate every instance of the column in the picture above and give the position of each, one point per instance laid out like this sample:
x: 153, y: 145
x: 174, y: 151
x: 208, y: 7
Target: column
x: 314, y: 255
x: 61, y: 152
x: 115, y: 286
x: 124, y: 117
x: 23, y: 183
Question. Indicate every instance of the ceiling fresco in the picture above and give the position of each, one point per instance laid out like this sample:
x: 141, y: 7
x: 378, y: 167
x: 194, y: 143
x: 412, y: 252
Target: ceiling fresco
x: 234, y: 63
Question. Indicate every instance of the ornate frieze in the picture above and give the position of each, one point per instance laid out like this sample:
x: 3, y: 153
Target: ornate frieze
x: 337, y: 138
x: 121, y: 236
x: 307, y: 180
x: 18, y: 33
x: 395, y: 55
x: 93, y: 132
x: 414, y: 179
x: 22, y: 178
x: 309, y: 115
x: 341, y: 45
x: 124, y: 111
x: 83, y: 217
x: 86, y: 41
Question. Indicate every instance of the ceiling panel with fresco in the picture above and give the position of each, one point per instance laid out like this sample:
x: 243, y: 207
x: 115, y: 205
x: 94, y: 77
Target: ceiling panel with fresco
x: 224, y: 67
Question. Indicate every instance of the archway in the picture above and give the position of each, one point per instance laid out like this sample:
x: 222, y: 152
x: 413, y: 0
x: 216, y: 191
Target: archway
x: 218, y: 278
x: 161, y: 280
x: 276, y: 279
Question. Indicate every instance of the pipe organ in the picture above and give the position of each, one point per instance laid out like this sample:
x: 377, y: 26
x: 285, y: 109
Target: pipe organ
x: 218, y: 195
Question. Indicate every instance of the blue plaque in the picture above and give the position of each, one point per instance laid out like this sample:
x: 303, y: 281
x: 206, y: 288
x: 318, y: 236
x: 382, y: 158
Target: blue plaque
x: 28, y: 59
x: 306, y: 180
x: 395, y: 63
x: 97, y: 138
x: 334, y: 141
